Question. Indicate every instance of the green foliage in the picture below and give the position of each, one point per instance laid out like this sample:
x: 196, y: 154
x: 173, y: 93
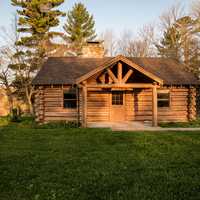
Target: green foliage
x: 170, y: 46
x: 80, y: 25
x: 17, y: 120
x: 191, y: 124
x: 35, y: 19
x: 15, y: 115
x: 58, y: 125
x: 98, y: 164
x: 180, y: 42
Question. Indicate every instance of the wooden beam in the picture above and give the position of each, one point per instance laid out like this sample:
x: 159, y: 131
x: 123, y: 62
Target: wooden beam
x: 119, y: 72
x: 102, y: 78
x: 127, y: 76
x: 135, y: 85
x: 110, y: 73
x: 84, y: 105
x: 154, y: 106
x: 110, y: 80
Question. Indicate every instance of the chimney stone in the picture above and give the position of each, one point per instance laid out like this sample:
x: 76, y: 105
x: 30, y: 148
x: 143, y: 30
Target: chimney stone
x: 93, y: 49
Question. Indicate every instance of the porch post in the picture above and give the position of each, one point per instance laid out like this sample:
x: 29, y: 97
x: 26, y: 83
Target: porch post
x: 84, y: 105
x: 154, y: 106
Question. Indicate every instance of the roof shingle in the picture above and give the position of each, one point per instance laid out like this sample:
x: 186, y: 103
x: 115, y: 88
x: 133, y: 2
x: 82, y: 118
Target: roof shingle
x: 65, y: 70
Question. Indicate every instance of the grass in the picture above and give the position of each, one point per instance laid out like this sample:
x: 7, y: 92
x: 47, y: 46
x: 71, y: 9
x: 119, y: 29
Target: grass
x: 98, y: 164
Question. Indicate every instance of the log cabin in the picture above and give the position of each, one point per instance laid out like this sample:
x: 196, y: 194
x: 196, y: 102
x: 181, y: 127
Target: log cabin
x: 97, y: 89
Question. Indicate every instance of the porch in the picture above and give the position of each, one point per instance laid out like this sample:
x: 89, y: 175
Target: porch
x: 137, y: 126
x: 119, y: 93
x: 123, y: 126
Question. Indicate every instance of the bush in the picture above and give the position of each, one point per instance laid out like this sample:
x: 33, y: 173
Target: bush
x: 4, y: 121
x: 190, y: 124
x: 15, y: 115
x: 58, y: 125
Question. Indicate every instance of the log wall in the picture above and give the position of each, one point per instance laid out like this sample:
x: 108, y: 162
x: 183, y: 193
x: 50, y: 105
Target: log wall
x: 182, y: 105
x: 138, y: 105
x: 49, y: 106
x: 98, y: 106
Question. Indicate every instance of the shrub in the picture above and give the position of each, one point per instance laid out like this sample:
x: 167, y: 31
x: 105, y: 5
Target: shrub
x: 15, y: 115
x: 58, y: 125
x: 4, y: 121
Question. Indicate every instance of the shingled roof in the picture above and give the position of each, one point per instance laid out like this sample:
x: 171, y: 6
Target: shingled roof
x: 65, y: 70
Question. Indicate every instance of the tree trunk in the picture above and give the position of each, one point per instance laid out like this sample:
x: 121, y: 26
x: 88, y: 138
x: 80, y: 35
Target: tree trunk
x: 28, y: 98
x: 30, y: 106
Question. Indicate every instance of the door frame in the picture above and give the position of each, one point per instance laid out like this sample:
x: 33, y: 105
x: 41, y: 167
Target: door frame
x: 124, y: 104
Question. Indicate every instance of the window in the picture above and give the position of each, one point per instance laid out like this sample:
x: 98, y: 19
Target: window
x: 163, y: 99
x: 70, y: 100
x: 117, y: 98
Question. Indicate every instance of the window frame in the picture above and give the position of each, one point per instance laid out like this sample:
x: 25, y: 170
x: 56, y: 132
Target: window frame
x: 76, y: 99
x: 121, y: 99
x: 164, y: 91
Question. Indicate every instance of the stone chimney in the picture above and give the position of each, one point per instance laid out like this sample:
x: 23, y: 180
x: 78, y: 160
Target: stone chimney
x: 93, y: 49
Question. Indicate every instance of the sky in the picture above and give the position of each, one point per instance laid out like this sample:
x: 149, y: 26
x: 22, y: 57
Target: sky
x: 117, y: 15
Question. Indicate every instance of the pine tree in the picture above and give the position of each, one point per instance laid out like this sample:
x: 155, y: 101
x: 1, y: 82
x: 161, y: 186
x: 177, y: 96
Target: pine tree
x: 79, y: 26
x: 35, y: 19
x: 186, y: 27
x: 170, y: 46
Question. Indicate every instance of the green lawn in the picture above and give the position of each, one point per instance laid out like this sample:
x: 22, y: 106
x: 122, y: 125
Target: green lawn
x: 82, y: 164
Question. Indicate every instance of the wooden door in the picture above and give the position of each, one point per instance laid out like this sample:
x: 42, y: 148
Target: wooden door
x: 118, y: 113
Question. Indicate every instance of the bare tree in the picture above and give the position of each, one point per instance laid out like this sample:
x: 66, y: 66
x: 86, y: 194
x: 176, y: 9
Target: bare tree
x: 195, y: 8
x: 9, y: 48
x: 171, y: 15
x: 6, y: 77
x: 141, y: 45
x: 110, y: 42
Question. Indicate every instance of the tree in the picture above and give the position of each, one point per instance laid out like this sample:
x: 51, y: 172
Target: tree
x: 110, y: 42
x: 181, y: 36
x: 170, y: 45
x: 9, y: 36
x: 180, y: 41
x: 36, y: 18
x: 187, y: 29
x: 79, y: 27
x: 195, y: 8
x: 141, y: 45
x: 170, y: 16
x: 6, y: 81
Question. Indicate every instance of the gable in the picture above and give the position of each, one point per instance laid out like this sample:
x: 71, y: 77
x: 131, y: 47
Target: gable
x: 120, y: 70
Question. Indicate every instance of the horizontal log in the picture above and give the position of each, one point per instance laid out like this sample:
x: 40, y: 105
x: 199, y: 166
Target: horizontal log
x: 97, y: 120
x: 179, y: 90
x: 122, y: 86
x: 60, y: 114
x: 60, y: 118
x: 53, y: 100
